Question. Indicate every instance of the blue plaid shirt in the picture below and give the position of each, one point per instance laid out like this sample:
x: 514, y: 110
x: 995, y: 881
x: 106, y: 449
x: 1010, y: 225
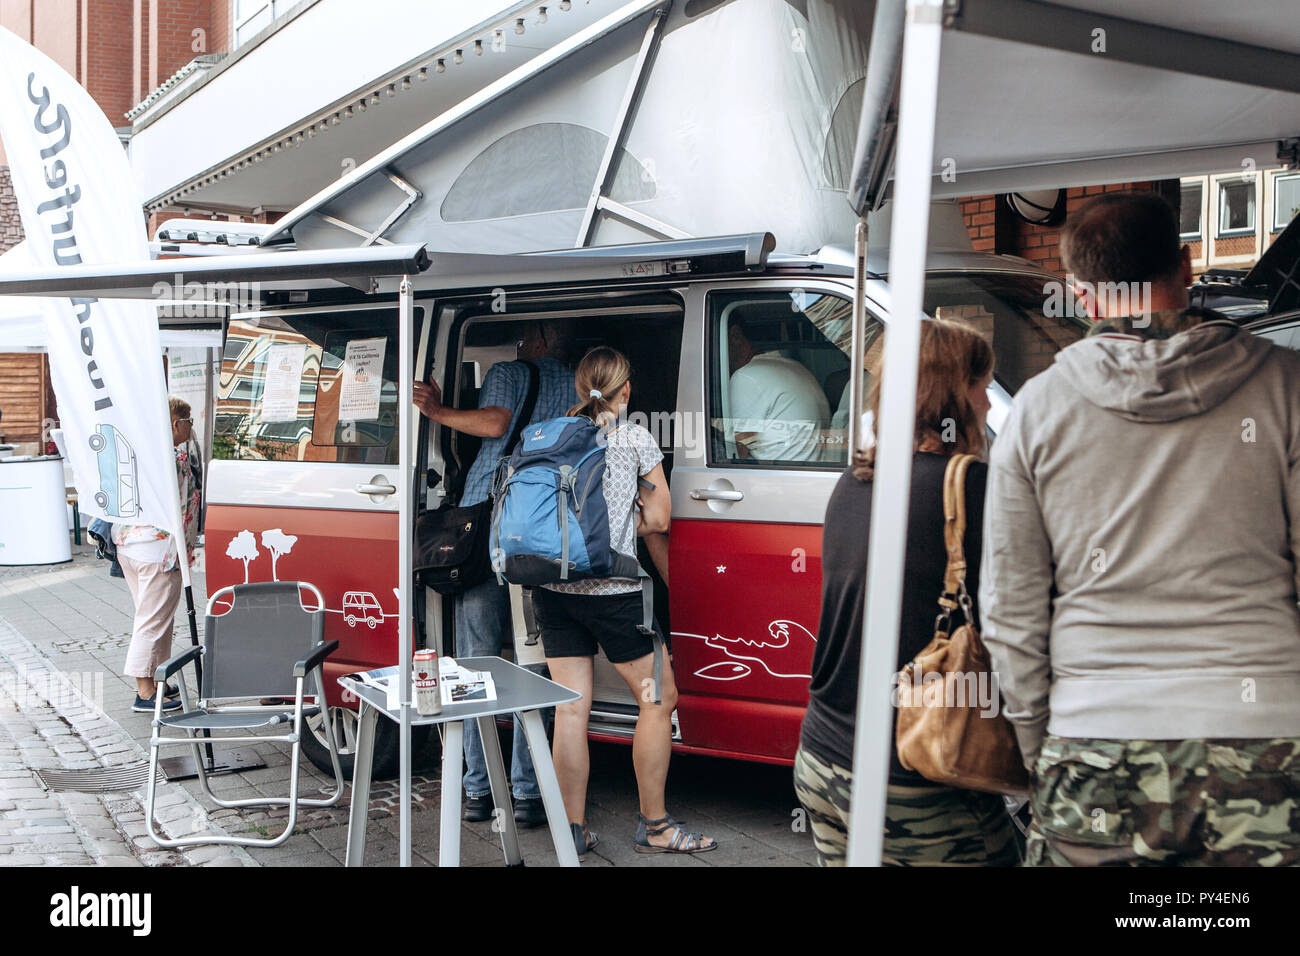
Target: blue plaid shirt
x: 506, y: 386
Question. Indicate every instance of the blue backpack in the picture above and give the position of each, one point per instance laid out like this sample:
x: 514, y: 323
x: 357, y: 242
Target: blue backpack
x: 550, y: 522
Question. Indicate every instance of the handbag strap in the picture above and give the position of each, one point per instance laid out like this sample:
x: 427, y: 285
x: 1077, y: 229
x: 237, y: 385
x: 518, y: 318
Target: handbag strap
x: 525, y: 413
x: 954, y: 539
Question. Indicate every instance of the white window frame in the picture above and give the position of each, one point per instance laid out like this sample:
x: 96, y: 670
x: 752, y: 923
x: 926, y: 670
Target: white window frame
x: 248, y: 10
x: 1200, y: 222
x: 1223, y: 232
x: 1277, y: 182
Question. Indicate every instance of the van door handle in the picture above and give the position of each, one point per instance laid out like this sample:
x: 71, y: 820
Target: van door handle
x: 377, y: 488
x: 716, y: 494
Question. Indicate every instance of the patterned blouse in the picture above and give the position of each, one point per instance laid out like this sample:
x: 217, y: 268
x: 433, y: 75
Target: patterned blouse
x: 135, y: 534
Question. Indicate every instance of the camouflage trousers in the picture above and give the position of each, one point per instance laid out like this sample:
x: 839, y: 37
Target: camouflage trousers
x: 1166, y: 803
x: 924, y: 825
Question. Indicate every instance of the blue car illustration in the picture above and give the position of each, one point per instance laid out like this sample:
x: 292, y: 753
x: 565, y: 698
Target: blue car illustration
x: 117, y: 473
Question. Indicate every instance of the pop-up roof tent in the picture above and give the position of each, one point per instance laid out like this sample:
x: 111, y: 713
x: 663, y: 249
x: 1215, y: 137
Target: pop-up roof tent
x: 1025, y: 94
x: 663, y: 120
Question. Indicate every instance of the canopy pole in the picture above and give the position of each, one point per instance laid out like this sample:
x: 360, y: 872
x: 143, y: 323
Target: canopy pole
x: 406, y: 388
x: 858, y: 342
x: 895, y: 429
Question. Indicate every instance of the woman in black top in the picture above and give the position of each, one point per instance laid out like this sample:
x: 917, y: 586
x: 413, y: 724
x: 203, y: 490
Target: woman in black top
x: 926, y: 824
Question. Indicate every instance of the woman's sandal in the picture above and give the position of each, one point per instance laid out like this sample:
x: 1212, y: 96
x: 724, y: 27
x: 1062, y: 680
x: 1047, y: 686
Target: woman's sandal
x: 683, y: 841
x: 584, y: 841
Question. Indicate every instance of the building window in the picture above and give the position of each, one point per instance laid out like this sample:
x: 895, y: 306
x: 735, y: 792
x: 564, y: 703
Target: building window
x: 254, y: 16
x: 1191, y: 201
x: 1236, y: 208
x: 1286, y: 201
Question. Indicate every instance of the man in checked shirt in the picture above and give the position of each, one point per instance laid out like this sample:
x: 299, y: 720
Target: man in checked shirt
x: 483, y: 621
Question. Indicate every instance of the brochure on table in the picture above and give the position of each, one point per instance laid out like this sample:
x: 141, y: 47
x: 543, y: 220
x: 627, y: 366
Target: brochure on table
x: 458, y: 685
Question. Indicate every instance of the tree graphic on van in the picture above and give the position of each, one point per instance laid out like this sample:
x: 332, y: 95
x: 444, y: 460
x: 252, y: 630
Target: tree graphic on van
x: 279, y: 544
x: 117, y: 473
x: 243, y: 547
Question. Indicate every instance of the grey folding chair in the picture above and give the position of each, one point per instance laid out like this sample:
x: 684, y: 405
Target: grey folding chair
x: 265, y: 646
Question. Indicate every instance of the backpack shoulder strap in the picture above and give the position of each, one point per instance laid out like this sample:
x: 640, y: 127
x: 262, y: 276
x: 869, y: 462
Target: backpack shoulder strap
x: 525, y: 413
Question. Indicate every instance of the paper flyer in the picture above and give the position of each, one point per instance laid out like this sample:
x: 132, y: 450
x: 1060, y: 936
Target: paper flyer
x: 363, y: 377
x: 283, y: 381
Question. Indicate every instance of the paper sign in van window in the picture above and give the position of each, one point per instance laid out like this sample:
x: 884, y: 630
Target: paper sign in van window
x: 639, y: 270
x: 363, y: 377
x: 283, y: 380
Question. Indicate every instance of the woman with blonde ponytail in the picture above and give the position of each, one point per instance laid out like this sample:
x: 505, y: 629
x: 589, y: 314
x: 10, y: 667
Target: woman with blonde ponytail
x: 577, y: 617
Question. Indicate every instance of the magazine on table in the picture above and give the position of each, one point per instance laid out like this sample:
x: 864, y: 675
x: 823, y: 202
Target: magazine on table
x: 458, y: 684
x: 381, y: 678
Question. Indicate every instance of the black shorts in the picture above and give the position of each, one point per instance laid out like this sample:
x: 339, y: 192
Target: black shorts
x: 572, y: 625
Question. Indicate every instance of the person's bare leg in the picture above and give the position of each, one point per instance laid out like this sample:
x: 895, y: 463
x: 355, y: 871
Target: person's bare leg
x: 652, y: 742
x: 569, y: 751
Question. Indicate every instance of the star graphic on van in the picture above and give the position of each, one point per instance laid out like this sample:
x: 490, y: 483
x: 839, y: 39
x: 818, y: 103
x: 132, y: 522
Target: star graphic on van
x: 722, y: 569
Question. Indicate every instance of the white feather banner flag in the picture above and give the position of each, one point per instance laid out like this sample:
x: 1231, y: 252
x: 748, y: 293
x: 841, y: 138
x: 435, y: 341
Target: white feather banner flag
x: 78, y: 203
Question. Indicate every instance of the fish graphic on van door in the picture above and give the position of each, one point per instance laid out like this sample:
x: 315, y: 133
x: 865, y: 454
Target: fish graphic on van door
x: 782, y: 636
x: 117, y: 473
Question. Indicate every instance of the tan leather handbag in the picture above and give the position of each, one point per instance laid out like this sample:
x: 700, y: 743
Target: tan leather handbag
x: 950, y: 726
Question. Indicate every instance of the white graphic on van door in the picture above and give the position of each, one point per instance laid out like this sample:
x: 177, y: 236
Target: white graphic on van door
x: 778, y: 638
x: 243, y: 547
x: 362, y: 607
x: 279, y: 544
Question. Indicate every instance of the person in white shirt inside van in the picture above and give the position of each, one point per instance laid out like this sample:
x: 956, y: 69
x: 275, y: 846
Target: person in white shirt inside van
x: 778, y: 409
x: 483, y: 620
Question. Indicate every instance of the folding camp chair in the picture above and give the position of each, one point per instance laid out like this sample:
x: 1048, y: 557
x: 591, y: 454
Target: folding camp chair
x: 264, y: 646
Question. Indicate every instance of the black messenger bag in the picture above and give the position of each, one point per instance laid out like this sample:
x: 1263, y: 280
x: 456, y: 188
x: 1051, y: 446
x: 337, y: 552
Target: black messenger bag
x: 451, y: 544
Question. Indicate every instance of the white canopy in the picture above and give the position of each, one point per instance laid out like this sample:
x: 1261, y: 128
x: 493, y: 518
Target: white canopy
x: 1019, y: 93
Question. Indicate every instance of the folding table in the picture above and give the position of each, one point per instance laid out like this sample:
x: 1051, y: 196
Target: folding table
x: 519, y: 692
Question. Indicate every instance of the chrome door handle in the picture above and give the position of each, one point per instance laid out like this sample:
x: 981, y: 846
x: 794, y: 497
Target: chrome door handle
x: 716, y: 494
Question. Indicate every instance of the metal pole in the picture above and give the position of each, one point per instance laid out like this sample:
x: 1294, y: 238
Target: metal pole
x: 405, y: 485
x: 198, y: 668
x: 895, y: 429
x: 857, y: 354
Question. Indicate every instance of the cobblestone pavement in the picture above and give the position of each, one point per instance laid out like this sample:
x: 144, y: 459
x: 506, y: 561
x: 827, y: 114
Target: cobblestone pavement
x: 64, y: 630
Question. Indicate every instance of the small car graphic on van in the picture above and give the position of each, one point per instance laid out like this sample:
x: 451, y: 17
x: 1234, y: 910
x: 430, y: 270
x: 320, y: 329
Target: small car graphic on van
x: 117, y: 473
x: 362, y: 606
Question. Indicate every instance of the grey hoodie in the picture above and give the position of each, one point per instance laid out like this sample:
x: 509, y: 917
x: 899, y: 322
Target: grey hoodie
x: 1139, y: 574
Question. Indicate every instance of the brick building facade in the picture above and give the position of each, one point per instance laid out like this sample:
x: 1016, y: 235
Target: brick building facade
x: 994, y: 227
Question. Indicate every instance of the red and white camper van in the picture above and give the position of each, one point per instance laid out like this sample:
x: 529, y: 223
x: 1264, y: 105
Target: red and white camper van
x: 304, y: 481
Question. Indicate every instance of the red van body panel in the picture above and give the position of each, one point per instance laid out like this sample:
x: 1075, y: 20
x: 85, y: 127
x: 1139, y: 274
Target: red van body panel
x: 338, y: 551
x: 744, y: 627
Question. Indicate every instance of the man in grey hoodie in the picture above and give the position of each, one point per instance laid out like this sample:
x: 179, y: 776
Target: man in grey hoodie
x: 1140, y: 579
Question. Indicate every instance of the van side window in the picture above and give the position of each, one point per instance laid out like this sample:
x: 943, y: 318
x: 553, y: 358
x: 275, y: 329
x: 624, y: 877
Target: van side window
x: 779, y: 376
x: 309, y: 387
